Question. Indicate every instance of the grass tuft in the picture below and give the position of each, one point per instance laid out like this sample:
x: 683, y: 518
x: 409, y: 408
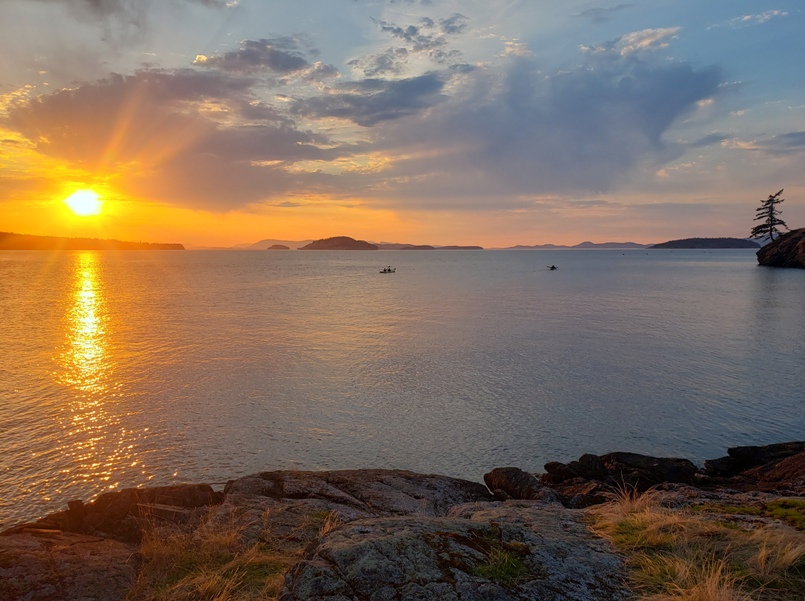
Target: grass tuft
x: 693, y: 555
x: 210, y: 563
x: 503, y: 567
x: 331, y: 521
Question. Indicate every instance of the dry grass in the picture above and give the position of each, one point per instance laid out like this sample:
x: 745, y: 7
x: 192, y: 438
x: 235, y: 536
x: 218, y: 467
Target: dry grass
x: 681, y: 555
x: 209, y: 563
x: 331, y: 522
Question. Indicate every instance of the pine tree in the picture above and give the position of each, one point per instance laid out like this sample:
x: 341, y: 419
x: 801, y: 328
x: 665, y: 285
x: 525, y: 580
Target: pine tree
x: 769, y: 214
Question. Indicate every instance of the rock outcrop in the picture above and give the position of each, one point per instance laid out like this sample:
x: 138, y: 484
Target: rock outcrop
x: 548, y: 552
x: 776, y: 468
x: 590, y: 479
x: 51, y: 565
x: 123, y: 514
x: 787, y: 251
x: 379, y: 492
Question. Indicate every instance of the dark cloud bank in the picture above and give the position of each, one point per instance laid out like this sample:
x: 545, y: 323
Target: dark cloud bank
x: 512, y: 129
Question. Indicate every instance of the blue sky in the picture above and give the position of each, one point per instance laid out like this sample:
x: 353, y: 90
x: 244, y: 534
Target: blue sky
x: 426, y: 121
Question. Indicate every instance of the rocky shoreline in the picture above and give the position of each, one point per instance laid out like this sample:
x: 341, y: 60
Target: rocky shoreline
x: 390, y: 534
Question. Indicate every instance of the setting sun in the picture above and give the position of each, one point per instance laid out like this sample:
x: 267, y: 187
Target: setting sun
x: 84, y: 203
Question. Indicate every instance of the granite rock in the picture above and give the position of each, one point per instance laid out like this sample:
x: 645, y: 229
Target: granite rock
x: 449, y: 558
x: 787, y: 251
x: 379, y: 492
x: 50, y: 565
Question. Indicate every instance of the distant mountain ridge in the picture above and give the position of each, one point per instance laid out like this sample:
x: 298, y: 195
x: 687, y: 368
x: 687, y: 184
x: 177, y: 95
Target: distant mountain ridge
x: 10, y: 241
x: 298, y: 244
x: 587, y: 244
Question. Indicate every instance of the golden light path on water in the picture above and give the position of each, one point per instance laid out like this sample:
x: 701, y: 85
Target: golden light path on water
x: 94, y: 438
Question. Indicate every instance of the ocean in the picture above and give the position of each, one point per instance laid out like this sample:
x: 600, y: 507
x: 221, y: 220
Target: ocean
x: 150, y: 368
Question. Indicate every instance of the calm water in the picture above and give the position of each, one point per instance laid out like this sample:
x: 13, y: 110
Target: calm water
x: 121, y: 369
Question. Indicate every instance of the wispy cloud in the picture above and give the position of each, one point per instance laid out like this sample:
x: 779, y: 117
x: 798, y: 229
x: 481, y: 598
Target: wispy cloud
x: 787, y: 144
x: 602, y: 14
x: 280, y: 55
x: 637, y: 41
x: 371, y: 101
x: 749, y: 20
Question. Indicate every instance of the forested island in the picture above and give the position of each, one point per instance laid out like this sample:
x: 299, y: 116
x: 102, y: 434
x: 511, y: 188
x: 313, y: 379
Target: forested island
x: 707, y: 243
x: 10, y: 241
x: 339, y: 243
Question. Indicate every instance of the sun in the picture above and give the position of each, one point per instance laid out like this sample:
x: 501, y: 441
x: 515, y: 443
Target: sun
x: 84, y: 203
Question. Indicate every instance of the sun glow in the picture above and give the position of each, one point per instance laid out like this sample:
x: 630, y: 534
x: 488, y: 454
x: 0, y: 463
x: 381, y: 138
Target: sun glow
x: 84, y: 203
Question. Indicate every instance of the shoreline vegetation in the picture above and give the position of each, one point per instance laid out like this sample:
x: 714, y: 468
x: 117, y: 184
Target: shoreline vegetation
x: 612, y: 527
x: 11, y: 241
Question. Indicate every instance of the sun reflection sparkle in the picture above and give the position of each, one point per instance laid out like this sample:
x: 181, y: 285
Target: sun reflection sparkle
x: 96, y: 441
x: 85, y: 361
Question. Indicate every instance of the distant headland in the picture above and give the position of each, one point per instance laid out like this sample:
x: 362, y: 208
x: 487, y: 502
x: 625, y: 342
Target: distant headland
x: 10, y: 241
x: 707, y: 243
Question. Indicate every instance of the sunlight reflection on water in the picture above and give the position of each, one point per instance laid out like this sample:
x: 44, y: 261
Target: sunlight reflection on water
x: 84, y: 360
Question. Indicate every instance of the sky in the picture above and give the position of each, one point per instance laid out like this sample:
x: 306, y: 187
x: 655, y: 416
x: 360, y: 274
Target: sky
x: 491, y: 122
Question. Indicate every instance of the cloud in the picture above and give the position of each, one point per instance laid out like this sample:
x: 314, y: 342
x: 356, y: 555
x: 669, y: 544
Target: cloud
x: 125, y: 12
x: 602, y: 15
x: 514, y: 130
x: 391, y: 62
x: 709, y: 140
x: 784, y: 144
x: 749, y: 20
x: 372, y: 101
x: 636, y: 42
x: 279, y: 55
x: 510, y: 129
x: 429, y: 37
x: 184, y: 136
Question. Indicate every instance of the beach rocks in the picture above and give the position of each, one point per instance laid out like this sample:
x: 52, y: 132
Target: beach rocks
x: 740, y: 459
x: 787, y: 251
x: 771, y: 468
x: 591, y: 479
x: 513, y: 483
x: 498, y: 551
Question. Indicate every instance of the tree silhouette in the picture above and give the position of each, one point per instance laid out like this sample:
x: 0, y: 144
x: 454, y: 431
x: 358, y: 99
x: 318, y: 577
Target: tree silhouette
x: 769, y: 214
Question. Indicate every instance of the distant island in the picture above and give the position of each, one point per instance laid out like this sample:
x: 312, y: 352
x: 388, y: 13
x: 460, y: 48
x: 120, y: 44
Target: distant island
x: 459, y: 248
x: 590, y: 245
x: 707, y: 243
x: 278, y: 247
x: 10, y: 241
x: 268, y: 242
x: 339, y: 243
x: 392, y: 246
